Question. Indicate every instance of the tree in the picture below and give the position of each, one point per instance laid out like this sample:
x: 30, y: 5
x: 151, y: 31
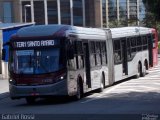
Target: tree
x: 152, y: 18
x: 153, y: 6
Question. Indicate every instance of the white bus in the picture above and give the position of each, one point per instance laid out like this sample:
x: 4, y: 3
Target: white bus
x: 59, y: 60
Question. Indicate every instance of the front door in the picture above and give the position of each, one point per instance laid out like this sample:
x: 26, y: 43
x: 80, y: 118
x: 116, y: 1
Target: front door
x: 124, y: 57
x: 87, y: 64
x: 150, y: 48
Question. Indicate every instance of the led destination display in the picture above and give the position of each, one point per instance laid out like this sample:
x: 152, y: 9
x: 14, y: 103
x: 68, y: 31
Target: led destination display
x: 37, y: 43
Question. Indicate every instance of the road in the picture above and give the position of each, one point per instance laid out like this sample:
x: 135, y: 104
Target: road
x: 133, y: 96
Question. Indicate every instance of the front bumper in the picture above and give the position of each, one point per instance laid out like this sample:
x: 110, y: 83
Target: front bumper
x: 56, y: 89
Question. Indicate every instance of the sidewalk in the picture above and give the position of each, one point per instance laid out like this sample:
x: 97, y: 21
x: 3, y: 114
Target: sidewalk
x: 4, y: 88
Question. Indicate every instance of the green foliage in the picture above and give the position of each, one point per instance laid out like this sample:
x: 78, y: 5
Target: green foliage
x: 153, y: 6
x: 152, y: 18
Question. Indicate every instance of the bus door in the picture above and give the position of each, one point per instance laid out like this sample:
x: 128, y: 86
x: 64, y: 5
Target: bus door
x: 150, y: 47
x: 124, y: 57
x: 87, y: 64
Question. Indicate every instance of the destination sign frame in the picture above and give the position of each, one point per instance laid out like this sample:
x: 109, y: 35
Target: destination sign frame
x: 33, y: 44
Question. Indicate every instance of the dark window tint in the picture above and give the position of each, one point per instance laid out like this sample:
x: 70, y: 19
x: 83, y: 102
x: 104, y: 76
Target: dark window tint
x: 39, y: 12
x: 65, y: 12
x: 52, y: 12
x: 117, y: 45
x: 117, y: 51
x: 77, y: 13
x: 7, y: 12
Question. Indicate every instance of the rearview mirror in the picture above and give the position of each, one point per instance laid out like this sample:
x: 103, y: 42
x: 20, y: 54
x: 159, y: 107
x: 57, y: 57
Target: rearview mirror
x: 3, y: 54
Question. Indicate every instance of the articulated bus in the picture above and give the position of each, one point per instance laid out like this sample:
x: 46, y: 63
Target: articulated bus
x: 63, y: 60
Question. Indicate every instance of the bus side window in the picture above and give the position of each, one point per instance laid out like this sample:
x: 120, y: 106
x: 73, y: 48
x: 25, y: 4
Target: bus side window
x: 144, y: 41
x: 92, y: 54
x: 71, y: 60
x: 133, y: 46
x: 139, y: 43
x: 129, y: 56
x: 103, y: 53
x: 98, y: 55
x: 79, y: 55
x: 117, y: 52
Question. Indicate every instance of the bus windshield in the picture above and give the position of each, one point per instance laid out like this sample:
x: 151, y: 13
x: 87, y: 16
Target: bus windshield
x: 36, y: 61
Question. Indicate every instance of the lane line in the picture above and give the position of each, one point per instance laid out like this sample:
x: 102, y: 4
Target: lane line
x: 148, y: 77
x: 102, y: 94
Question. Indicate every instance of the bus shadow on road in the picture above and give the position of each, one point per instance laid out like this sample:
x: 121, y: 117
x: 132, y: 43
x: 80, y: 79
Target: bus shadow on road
x: 51, y: 101
x: 54, y: 100
x: 47, y: 101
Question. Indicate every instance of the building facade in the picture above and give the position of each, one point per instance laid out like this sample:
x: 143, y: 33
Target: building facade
x: 89, y: 13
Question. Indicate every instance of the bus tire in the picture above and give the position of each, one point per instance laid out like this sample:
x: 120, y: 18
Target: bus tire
x: 30, y: 100
x: 79, y: 93
x: 102, y: 86
x: 139, y: 71
x: 144, y: 72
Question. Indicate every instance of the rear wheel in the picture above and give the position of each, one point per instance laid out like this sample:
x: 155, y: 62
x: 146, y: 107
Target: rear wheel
x: 30, y: 100
x: 144, y: 72
x: 139, y: 71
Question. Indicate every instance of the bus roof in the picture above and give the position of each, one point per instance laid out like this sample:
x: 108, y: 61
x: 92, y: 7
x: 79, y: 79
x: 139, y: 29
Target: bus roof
x: 129, y: 31
x: 80, y: 32
x: 4, y: 26
x: 61, y: 30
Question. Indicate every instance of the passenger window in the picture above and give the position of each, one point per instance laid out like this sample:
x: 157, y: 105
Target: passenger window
x: 139, y: 43
x: 92, y: 54
x: 103, y: 53
x: 117, y: 45
x: 79, y: 54
x: 92, y: 47
x: 117, y: 52
x: 79, y: 47
x: 72, y: 64
x: 98, y: 55
x: 129, y: 56
x: 145, y: 42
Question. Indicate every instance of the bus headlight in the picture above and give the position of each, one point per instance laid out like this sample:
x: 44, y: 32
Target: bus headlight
x: 62, y: 77
x: 11, y: 81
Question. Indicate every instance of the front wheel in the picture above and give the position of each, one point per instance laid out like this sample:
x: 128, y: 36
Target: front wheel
x: 79, y: 93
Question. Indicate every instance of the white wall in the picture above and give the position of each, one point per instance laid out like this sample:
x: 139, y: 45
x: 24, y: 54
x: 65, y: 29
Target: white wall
x: 3, y: 65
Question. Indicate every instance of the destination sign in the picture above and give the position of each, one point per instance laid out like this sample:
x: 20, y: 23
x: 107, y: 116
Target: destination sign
x: 36, y: 43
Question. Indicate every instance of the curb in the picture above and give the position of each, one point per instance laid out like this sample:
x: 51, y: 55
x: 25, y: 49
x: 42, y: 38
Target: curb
x: 4, y: 95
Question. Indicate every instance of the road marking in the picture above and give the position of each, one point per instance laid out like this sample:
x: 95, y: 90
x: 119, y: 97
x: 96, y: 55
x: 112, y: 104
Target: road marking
x: 102, y: 94
x: 149, y: 77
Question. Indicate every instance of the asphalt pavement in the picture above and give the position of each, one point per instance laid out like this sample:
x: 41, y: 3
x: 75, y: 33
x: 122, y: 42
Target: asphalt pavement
x: 4, y: 88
